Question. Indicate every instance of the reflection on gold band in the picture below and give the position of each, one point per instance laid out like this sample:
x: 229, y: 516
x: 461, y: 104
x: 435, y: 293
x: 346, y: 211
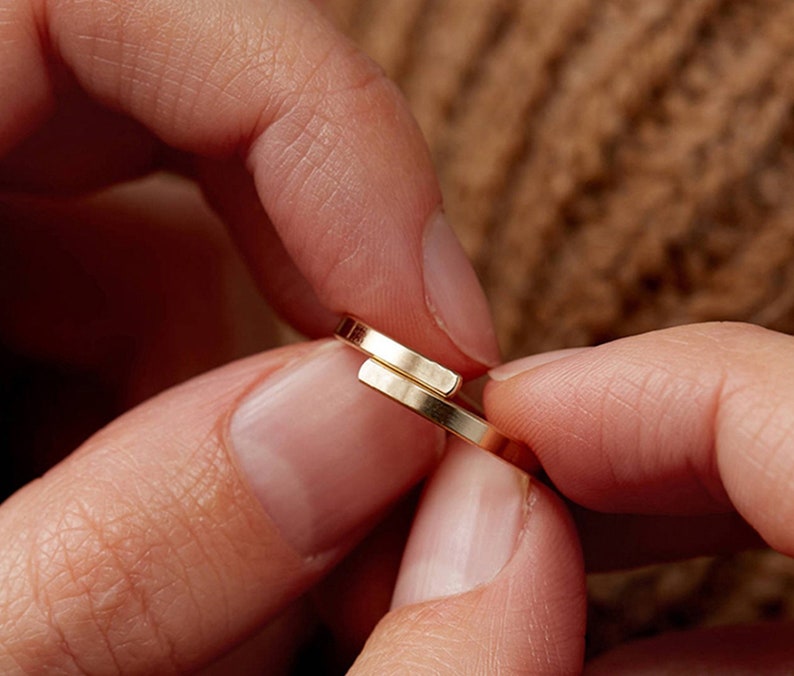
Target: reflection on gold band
x: 420, y: 384
x: 413, y: 365
x: 446, y: 414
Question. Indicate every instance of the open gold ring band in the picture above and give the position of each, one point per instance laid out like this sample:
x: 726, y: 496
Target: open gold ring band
x: 420, y: 384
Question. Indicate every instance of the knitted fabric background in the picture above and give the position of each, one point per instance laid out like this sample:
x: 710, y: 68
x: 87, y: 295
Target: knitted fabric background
x: 612, y: 167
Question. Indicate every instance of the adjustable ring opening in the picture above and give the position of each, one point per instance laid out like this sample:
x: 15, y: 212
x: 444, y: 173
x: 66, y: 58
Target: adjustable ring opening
x: 420, y: 384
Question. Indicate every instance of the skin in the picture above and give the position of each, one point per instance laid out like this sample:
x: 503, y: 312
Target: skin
x: 690, y: 421
x: 153, y: 547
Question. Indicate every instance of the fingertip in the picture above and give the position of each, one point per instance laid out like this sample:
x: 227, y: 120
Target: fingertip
x: 454, y: 296
x: 688, y: 420
x: 514, y: 596
x: 467, y: 526
x: 520, y: 366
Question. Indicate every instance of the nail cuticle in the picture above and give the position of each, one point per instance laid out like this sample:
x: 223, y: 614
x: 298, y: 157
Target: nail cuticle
x: 321, y: 453
x: 453, y: 294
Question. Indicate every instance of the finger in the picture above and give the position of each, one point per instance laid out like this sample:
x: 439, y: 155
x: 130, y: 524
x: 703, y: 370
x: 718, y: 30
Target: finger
x: 760, y: 649
x: 689, y: 420
x: 191, y: 521
x: 339, y: 164
x: 491, y: 580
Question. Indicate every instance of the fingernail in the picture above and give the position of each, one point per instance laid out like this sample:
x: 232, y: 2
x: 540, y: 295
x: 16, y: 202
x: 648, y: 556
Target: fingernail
x: 466, y: 528
x: 323, y: 453
x: 514, y: 368
x: 454, y: 295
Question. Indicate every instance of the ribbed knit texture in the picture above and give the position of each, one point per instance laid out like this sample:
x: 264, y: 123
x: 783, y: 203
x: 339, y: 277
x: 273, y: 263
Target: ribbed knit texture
x: 612, y: 166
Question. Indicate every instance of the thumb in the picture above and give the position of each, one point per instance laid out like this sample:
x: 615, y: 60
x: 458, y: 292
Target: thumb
x: 191, y: 521
x: 491, y: 579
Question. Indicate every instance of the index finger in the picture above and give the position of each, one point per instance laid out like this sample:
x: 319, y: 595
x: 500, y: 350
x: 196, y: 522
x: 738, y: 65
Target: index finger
x: 339, y: 165
x: 695, y: 419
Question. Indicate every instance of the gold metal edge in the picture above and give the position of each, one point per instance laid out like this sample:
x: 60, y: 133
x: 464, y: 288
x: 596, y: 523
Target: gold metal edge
x: 432, y: 407
x: 409, y: 363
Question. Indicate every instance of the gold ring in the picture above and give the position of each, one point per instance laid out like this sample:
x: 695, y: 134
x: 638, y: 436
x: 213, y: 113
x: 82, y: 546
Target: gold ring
x: 422, y: 385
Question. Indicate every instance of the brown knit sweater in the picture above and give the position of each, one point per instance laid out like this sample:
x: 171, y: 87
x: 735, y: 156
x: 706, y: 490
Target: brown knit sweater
x: 613, y: 166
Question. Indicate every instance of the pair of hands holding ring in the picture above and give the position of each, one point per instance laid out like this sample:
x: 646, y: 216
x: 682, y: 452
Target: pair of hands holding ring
x: 218, y: 524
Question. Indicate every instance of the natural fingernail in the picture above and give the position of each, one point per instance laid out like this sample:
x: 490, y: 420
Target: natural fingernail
x: 514, y: 368
x: 466, y: 529
x: 323, y: 453
x: 454, y: 295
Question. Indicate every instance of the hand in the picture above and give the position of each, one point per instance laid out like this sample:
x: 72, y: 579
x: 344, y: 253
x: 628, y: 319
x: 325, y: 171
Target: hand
x: 205, y: 514
x: 683, y: 436
x: 299, y: 141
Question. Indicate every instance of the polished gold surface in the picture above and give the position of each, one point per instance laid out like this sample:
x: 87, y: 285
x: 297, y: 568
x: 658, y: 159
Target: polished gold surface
x: 447, y: 414
x: 426, y: 372
x: 424, y: 386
